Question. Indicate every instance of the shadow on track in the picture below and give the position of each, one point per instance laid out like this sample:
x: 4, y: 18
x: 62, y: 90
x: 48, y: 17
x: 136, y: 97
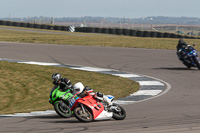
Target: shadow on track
x: 57, y: 119
x: 175, y: 68
x: 66, y: 121
x: 48, y: 117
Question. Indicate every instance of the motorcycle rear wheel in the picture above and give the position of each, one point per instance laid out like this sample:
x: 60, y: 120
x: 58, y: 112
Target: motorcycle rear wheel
x: 120, y: 114
x: 62, y: 109
x: 81, y: 116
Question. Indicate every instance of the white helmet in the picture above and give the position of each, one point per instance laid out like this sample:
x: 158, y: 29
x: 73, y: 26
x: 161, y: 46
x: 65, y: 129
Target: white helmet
x: 78, y: 87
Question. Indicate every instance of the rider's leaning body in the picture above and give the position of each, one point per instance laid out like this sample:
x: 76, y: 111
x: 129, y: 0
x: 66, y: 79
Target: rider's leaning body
x: 63, y: 83
x: 181, y: 47
x: 82, y: 91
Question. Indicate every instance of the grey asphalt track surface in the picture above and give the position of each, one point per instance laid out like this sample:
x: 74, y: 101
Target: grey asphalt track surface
x: 176, y: 111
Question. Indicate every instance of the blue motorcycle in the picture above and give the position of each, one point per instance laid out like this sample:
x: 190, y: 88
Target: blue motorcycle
x: 189, y: 57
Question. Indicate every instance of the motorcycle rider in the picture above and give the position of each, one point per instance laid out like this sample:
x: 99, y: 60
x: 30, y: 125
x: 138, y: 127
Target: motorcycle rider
x: 82, y: 91
x: 181, y: 44
x: 181, y: 47
x: 64, y: 83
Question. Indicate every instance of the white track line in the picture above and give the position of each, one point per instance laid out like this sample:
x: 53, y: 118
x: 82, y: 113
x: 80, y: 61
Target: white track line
x: 146, y: 83
x: 147, y: 93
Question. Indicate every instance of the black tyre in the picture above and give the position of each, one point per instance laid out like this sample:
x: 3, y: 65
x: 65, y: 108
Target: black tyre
x: 186, y: 64
x: 98, y: 30
x: 174, y: 36
x: 146, y: 34
x: 62, y: 109
x: 140, y: 33
x: 120, y: 113
x: 23, y: 24
x: 126, y: 32
x: 153, y: 34
x: 2, y: 22
x: 105, y: 30
x: 132, y: 32
x: 81, y: 116
x: 30, y: 25
x: 118, y: 31
x: 167, y: 35
x: 44, y: 26
x: 160, y: 35
x: 56, y: 27
x: 197, y: 62
x: 112, y: 31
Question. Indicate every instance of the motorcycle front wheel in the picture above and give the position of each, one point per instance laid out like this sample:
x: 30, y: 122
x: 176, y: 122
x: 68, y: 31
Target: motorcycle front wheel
x: 84, y: 116
x: 197, y: 62
x: 62, y: 109
x: 187, y: 64
x: 119, y: 113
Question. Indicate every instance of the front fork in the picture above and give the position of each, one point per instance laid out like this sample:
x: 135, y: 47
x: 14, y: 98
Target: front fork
x: 114, y: 109
x: 83, y: 108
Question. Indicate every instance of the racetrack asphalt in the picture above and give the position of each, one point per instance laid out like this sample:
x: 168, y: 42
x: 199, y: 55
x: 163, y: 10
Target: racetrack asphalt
x: 175, y: 111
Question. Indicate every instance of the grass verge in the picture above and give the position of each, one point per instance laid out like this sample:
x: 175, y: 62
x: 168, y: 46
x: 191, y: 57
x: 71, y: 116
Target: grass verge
x: 104, y: 40
x: 25, y: 88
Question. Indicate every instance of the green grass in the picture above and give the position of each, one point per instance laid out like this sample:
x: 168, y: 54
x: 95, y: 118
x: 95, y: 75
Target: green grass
x: 104, y: 40
x: 25, y: 88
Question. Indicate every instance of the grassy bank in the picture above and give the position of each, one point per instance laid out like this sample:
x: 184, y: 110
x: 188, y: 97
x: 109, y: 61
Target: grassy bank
x: 104, y: 40
x: 25, y: 88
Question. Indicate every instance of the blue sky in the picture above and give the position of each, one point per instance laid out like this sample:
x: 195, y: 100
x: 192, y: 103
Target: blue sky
x: 101, y: 8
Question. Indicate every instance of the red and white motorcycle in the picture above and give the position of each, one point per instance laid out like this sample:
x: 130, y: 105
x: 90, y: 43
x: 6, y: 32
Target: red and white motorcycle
x: 88, y: 108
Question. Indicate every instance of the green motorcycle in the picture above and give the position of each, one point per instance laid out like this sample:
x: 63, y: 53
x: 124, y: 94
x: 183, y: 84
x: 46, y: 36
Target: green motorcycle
x: 60, y: 100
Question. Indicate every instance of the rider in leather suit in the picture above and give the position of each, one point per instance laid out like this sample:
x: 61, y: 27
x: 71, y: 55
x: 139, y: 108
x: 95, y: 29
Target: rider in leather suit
x: 64, y: 83
x: 82, y: 91
x: 181, y: 47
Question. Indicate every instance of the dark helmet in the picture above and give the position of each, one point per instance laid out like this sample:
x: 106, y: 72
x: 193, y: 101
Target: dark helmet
x: 99, y: 94
x: 56, y: 77
x: 181, y: 41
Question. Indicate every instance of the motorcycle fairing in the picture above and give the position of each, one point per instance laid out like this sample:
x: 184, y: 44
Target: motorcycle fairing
x: 96, y: 107
x: 104, y: 115
x: 73, y: 101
